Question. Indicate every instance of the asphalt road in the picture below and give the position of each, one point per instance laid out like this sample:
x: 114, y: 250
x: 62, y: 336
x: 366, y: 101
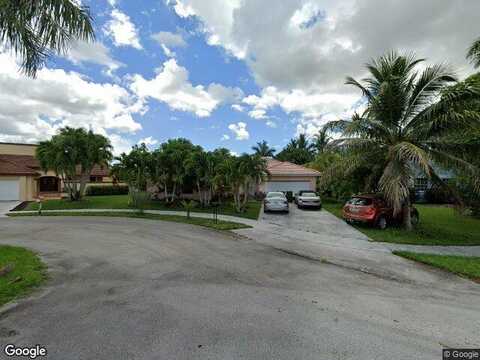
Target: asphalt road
x: 139, y: 289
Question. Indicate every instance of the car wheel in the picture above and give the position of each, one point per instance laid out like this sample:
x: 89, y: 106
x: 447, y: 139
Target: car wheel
x: 382, y: 223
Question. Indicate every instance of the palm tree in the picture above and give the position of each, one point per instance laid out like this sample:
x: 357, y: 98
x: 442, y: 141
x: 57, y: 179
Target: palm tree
x: 72, y: 154
x: 34, y: 29
x: 321, y: 140
x: 473, y: 53
x: 298, y: 151
x: 262, y: 149
x: 413, y: 120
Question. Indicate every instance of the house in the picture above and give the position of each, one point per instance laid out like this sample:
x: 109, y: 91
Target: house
x: 286, y: 176
x: 21, y: 177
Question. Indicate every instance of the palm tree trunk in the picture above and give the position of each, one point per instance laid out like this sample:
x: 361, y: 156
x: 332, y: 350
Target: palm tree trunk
x: 407, y: 218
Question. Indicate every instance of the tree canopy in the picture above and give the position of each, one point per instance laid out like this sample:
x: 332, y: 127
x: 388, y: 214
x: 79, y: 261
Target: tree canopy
x: 72, y: 154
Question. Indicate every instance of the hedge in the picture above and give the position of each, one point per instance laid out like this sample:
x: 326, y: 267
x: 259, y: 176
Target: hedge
x: 99, y: 190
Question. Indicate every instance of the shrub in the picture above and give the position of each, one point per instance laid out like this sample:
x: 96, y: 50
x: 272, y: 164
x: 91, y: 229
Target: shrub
x: 438, y: 195
x: 188, y: 206
x: 139, y: 200
x: 100, y: 190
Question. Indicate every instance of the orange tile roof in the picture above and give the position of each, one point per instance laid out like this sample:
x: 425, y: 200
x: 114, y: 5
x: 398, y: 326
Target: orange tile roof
x: 285, y: 168
x: 16, y: 165
x: 28, y: 165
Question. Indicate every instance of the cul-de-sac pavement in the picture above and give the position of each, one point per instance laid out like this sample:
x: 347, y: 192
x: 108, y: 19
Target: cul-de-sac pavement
x: 290, y: 287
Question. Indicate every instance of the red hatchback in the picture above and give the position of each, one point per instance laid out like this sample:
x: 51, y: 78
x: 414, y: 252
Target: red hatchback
x: 373, y: 210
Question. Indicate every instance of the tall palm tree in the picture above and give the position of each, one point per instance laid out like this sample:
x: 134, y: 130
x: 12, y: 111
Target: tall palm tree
x: 413, y: 120
x: 34, y: 29
x: 321, y: 140
x: 262, y: 149
x: 473, y: 53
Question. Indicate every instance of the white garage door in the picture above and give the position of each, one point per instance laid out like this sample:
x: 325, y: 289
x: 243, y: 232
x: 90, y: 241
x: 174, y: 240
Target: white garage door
x: 9, y: 190
x: 292, y: 186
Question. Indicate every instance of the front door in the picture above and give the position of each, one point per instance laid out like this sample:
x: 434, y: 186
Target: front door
x: 49, y: 184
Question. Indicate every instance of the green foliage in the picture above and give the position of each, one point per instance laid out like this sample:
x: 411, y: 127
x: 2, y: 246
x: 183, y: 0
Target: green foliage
x: 72, y: 154
x: 27, y: 272
x: 134, y: 168
x: 252, y: 208
x: 102, y: 190
x: 188, y: 206
x: 35, y: 29
x: 140, y: 200
x: 409, y: 124
x: 262, y: 149
x: 298, y: 151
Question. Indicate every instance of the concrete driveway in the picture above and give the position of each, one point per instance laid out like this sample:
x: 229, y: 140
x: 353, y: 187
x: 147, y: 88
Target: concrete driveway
x: 6, y: 206
x: 139, y: 289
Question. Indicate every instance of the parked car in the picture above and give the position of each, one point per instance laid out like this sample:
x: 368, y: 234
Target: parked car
x: 275, y: 201
x: 308, y: 199
x: 374, y: 210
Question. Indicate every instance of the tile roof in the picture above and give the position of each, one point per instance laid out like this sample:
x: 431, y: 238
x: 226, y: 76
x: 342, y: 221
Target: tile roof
x: 285, y: 168
x: 17, y: 165
x: 28, y: 165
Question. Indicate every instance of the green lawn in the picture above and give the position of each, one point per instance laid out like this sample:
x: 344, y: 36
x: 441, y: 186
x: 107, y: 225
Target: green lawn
x: 209, y: 223
x: 27, y: 272
x: 461, y: 265
x: 439, y: 225
x: 121, y: 202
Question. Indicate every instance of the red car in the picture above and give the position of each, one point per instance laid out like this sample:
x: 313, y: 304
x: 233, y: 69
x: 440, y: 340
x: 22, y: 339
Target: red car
x: 373, y: 210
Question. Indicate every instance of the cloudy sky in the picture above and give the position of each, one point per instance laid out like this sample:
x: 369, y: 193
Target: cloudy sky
x: 224, y: 73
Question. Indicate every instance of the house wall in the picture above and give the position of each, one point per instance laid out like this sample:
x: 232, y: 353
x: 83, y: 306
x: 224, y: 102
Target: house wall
x: 17, y: 149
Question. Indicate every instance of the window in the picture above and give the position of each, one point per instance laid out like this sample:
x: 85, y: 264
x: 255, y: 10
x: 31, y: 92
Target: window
x: 421, y: 184
x: 96, y: 179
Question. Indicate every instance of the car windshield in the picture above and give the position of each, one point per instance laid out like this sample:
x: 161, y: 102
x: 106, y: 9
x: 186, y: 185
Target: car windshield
x: 360, y: 201
x: 308, y: 194
x: 275, y: 195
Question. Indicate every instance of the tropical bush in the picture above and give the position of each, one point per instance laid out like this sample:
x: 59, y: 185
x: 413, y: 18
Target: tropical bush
x: 140, y: 200
x: 100, y: 190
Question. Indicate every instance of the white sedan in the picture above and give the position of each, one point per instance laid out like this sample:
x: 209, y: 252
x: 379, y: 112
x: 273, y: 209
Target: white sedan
x: 308, y: 199
x: 275, y: 201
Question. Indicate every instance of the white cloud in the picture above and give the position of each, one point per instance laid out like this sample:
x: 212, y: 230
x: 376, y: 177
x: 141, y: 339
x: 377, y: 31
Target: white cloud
x: 120, y: 144
x: 271, y: 124
x: 92, y: 52
x: 238, y: 107
x: 34, y: 109
x: 240, y: 130
x: 225, y: 137
x: 169, y: 39
x: 122, y: 30
x: 171, y: 86
x: 149, y: 141
x: 323, y: 41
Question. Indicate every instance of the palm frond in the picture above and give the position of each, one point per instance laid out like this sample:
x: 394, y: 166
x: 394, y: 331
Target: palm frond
x: 473, y: 53
x: 34, y: 29
x: 432, y: 80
